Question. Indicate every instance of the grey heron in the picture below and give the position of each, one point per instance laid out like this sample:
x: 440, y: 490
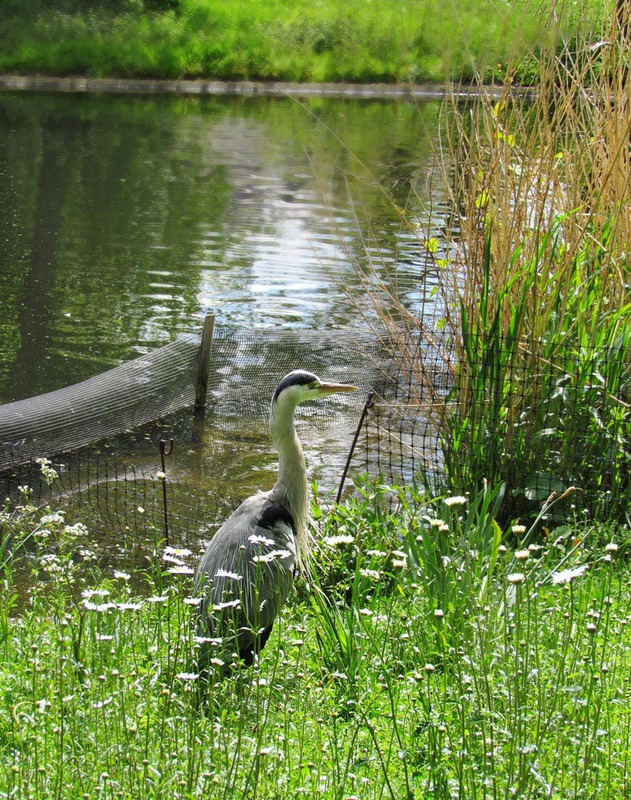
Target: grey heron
x: 248, y: 567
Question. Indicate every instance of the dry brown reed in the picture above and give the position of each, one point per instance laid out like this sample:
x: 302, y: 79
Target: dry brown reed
x: 533, y: 276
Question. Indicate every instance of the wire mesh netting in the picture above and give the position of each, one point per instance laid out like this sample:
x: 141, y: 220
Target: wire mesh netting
x: 540, y: 419
x: 541, y: 424
x: 114, y: 484
x: 114, y: 401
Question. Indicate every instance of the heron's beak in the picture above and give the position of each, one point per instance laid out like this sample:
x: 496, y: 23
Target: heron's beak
x: 330, y: 388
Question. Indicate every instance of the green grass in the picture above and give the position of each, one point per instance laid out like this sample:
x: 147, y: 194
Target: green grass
x: 428, y: 654
x: 355, y: 41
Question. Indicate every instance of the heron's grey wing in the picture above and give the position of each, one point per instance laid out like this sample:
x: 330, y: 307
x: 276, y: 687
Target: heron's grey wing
x: 245, y: 574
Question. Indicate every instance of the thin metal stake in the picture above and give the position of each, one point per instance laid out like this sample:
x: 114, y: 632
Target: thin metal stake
x: 367, y: 406
x: 163, y: 455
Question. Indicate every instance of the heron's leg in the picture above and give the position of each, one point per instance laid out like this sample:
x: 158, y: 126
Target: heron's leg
x: 261, y: 639
x: 247, y: 652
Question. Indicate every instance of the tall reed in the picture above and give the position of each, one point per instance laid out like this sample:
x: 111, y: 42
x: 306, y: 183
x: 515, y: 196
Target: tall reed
x: 533, y: 280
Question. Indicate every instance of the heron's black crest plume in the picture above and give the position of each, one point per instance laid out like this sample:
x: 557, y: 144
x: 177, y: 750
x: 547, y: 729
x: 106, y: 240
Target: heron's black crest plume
x: 299, y: 377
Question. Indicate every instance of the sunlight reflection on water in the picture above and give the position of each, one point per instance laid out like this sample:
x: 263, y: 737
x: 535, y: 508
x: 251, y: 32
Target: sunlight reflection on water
x: 129, y: 219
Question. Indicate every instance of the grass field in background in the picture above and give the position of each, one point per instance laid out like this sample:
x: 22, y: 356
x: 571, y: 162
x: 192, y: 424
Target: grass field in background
x: 355, y: 41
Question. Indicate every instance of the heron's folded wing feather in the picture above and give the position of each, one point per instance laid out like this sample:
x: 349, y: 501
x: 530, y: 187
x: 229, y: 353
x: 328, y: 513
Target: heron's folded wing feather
x: 247, y: 569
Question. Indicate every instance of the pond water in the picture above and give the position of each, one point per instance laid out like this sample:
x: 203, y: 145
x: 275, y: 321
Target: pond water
x: 126, y: 219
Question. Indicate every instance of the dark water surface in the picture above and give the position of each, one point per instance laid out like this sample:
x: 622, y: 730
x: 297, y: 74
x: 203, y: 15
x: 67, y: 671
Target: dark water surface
x: 124, y: 220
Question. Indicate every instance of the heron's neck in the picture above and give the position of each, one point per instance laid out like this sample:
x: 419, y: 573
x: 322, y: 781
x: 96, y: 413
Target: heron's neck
x: 291, y: 486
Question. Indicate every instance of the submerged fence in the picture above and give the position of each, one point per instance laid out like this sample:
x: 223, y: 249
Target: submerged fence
x: 218, y: 457
x: 542, y: 426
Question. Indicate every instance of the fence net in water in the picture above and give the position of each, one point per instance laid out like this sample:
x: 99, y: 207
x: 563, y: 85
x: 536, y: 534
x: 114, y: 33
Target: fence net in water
x: 114, y: 401
x: 114, y: 483
x: 560, y: 422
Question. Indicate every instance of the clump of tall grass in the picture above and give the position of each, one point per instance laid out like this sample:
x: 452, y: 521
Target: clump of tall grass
x: 493, y: 656
x: 425, y: 655
x: 533, y: 281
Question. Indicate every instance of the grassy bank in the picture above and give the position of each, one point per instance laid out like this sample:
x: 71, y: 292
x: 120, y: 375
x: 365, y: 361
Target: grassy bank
x: 430, y: 655
x: 354, y: 41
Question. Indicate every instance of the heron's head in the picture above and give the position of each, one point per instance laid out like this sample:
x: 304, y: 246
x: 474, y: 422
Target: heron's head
x: 300, y: 385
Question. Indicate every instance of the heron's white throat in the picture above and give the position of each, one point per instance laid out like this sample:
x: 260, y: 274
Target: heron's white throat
x: 291, y: 487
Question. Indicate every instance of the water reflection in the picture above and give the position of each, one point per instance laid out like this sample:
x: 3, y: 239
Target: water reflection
x: 127, y: 219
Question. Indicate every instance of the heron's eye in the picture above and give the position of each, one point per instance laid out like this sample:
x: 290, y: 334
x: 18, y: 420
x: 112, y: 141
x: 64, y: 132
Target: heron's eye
x: 314, y: 385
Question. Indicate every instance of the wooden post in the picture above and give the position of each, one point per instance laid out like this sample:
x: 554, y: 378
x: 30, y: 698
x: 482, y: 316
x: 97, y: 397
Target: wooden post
x: 204, y: 366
